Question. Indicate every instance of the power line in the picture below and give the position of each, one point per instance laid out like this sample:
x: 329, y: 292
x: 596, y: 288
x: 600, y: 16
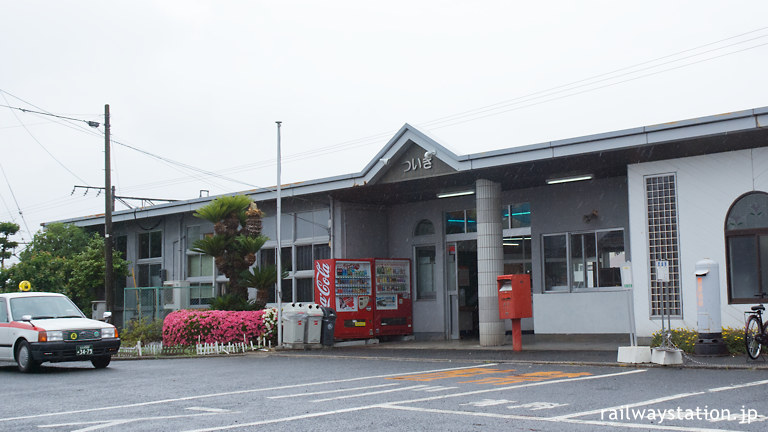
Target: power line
x: 42, y: 146
x: 21, y: 214
x: 542, y: 96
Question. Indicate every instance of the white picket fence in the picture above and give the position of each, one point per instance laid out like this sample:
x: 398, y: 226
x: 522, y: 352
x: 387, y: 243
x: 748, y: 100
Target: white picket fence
x: 154, y: 349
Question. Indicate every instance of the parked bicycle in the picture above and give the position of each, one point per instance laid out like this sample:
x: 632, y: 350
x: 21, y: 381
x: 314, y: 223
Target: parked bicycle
x: 755, y: 332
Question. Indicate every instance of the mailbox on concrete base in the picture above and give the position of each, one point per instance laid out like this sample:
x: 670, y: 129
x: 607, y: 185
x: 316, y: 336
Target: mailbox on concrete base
x: 710, y: 341
x: 515, y: 303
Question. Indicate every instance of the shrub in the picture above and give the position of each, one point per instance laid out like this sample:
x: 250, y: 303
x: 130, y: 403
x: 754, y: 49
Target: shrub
x: 685, y: 339
x: 145, y: 330
x: 188, y: 327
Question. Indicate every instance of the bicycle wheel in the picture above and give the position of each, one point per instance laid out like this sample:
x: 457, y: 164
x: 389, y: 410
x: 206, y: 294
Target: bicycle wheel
x: 753, y: 329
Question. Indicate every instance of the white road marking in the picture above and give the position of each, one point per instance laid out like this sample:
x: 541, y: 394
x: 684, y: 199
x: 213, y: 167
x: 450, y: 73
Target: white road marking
x: 231, y: 393
x: 101, y: 424
x: 330, y: 391
x: 210, y: 410
x: 517, y: 386
x: 556, y: 419
x: 435, y: 389
x: 420, y: 386
x: 631, y: 405
x: 394, y: 404
x: 286, y: 419
x: 663, y: 399
x: 737, y: 386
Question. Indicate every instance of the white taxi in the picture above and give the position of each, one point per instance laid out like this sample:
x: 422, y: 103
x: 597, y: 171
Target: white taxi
x: 38, y: 327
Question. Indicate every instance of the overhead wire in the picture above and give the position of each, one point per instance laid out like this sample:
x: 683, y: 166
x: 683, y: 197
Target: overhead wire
x: 595, y: 77
x: 43, y: 147
x: 21, y: 214
x: 593, y: 89
x: 525, y: 101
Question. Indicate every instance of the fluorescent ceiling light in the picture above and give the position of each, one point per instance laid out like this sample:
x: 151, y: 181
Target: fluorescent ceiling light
x: 455, y: 194
x: 580, y: 177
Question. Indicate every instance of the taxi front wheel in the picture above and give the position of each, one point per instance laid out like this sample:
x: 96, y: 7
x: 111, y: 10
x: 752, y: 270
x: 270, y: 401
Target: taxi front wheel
x: 24, y: 358
x: 101, y: 362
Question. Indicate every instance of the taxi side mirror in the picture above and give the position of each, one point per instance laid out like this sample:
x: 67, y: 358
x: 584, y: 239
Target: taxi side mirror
x: 107, y: 317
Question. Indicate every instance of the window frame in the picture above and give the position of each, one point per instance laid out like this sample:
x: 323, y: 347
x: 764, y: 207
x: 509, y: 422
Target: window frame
x: 570, y: 286
x: 755, y: 233
x: 418, y: 293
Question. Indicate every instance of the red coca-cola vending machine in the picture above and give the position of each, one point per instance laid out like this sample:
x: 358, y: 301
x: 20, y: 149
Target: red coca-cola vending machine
x: 393, y: 312
x: 347, y: 287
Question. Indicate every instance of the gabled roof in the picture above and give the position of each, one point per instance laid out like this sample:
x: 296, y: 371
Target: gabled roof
x: 410, y: 147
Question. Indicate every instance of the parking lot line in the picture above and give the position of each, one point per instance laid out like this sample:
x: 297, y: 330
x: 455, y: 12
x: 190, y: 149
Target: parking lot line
x: 398, y: 403
x: 420, y: 386
x: 230, y: 393
x: 330, y: 391
x: 631, y: 405
x: 555, y: 419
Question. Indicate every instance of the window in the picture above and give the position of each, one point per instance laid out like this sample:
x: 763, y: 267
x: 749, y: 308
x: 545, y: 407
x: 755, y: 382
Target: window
x: 555, y: 263
x: 150, y: 275
x: 516, y: 216
x: 198, y: 265
x: 583, y: 260
x: 200, y: 294
x: 661, y: 206
x: 425, y: 272
x: 517, y: 255
x: 304, y: 257
x: 151, y: 245
x: 304, y: 290
x: 312, y: 224
x: 746, y: 237
x: 3, y: 311
x: 321, y: 251
x: 424, y: 227
x: 461, y: 221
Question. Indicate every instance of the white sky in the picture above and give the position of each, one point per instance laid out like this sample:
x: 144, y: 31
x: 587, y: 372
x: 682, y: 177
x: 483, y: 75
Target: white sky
x: 203, y: 82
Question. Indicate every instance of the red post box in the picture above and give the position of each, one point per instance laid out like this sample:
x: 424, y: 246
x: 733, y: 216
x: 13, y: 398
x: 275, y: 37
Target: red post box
x: 515, y: 303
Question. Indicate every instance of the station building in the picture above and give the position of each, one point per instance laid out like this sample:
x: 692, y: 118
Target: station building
x: 570, y: 213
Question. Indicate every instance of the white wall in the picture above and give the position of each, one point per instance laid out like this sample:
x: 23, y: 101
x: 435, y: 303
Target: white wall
x: 706, y: 188
x: 601, y: 312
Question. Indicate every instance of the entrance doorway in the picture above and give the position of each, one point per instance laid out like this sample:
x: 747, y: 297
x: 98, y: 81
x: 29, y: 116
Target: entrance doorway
x: 461, y: 277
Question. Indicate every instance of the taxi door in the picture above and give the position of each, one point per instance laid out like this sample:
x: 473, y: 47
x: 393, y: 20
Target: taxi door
x: 6, y: 344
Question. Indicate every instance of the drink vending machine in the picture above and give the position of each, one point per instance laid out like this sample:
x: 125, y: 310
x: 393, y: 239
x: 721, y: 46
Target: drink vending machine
x: 393, y: 312
x: 371, y: 297
x: 346, y: 286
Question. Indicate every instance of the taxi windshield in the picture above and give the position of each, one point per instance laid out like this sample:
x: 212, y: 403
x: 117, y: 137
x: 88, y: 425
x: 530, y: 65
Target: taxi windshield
x: 44, y: 307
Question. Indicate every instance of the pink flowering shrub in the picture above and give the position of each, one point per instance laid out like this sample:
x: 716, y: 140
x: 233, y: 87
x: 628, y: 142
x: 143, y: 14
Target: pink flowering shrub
x: 188, y: 327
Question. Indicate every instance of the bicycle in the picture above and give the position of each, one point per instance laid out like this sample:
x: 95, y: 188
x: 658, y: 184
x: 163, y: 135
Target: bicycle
x: 755, y: 332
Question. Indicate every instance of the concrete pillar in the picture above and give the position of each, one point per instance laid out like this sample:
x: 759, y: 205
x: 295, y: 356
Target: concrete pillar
x: 490, y: 260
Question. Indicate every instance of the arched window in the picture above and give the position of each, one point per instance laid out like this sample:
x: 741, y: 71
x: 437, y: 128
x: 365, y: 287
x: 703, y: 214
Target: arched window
x: 424, y: 227
x: 746, y: 239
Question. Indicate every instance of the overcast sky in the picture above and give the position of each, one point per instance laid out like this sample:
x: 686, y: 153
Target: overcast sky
x: 201, y: 84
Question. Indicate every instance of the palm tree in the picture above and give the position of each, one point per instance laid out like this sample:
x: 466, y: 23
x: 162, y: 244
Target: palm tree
x: 237, y: 237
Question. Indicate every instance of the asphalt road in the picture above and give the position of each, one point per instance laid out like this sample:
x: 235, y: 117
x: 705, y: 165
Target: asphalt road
x: 291, y: 393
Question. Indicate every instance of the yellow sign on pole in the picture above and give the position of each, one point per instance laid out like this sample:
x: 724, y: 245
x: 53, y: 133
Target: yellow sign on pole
x: 25, y: 285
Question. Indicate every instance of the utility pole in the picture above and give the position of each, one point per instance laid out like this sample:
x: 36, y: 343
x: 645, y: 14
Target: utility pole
x: 279, y: 249
x: 109, y: 280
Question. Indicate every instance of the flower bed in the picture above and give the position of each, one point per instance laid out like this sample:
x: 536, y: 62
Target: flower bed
x: 189, y: 327
x: 685, y: 339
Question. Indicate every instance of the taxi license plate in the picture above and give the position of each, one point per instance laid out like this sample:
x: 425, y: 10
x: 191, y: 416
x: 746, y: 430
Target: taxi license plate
x: 83, y: 350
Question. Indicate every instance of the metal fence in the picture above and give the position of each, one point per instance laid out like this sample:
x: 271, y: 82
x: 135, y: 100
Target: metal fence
x: 155, y: 303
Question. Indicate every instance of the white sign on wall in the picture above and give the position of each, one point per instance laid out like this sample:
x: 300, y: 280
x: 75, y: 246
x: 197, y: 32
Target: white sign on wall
x: 662, y: 271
